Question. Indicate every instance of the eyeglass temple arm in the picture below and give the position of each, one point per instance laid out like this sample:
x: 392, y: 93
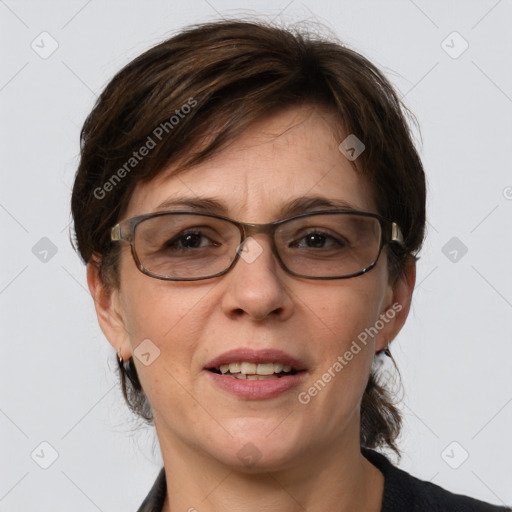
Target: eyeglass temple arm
x: 396, y: 234
x: 115, y: 234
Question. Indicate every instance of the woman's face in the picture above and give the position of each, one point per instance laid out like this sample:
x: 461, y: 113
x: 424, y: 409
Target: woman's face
x: 257, y: 308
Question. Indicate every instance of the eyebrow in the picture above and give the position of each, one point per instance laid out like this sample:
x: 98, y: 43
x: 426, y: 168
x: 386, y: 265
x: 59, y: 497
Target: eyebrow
x: 295, y: 206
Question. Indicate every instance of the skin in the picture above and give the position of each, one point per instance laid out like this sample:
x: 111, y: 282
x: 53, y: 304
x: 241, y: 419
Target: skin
x: 309, y: 454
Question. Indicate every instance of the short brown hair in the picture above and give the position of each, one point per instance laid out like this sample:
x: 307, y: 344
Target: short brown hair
x: 230, y: 74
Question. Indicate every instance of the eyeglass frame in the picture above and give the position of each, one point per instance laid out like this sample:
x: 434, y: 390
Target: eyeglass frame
x: 125, y: 231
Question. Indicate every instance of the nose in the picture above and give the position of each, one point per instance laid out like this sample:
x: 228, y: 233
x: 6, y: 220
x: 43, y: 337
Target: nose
x: 255, y: 286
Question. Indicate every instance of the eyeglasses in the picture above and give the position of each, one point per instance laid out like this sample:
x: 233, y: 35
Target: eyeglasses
x: 190, y: 246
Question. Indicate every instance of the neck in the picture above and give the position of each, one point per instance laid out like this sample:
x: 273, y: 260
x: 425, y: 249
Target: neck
x: 340, y: 480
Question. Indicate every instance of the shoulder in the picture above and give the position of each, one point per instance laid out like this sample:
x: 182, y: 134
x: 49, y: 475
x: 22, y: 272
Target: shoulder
x: 403, y: 491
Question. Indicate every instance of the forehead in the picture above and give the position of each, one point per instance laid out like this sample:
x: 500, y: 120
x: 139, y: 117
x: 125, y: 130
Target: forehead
x: 256, y: 178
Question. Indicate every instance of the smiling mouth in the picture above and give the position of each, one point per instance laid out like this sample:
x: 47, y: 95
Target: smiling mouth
x: 254, y: 371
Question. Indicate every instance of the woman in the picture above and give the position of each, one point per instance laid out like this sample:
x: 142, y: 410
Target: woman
x: 249, y: 204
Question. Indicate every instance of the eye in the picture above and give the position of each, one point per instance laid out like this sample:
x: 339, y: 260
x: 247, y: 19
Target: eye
x: 316, y: 239
x: 191, y: 239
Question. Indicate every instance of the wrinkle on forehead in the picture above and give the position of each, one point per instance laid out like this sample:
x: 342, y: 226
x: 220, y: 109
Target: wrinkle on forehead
x: 289, y: 154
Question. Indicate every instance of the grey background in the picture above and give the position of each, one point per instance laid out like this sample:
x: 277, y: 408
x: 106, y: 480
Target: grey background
x: 56, y: 369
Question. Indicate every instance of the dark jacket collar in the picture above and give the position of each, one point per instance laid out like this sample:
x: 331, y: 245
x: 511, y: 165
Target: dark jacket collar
x: 154, y: 501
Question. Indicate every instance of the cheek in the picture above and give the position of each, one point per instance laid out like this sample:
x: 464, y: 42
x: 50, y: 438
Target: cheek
x: 154, y: 308
x: 164, y: 320
x: 347, y: 309
x: 344, y: 351
x: 168, y: 317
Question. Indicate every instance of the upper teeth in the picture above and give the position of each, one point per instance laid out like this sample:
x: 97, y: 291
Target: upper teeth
x: 255, y: 369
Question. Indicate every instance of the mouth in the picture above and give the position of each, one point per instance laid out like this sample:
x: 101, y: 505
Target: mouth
x: 256, y: 374
x: 245, y: 370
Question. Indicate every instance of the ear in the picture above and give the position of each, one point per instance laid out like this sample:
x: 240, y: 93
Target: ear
x: 108, y: 311
x: 397, y: 306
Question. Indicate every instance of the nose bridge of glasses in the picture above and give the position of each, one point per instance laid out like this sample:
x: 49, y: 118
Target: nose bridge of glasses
x: 249, y: 230
x: 257, y: 229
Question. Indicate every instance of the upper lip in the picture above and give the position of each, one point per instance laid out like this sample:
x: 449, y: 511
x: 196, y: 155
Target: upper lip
x: 256, y: 356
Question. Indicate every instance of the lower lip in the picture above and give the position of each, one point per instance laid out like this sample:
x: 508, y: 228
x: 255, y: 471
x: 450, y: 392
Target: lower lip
x: 256, y: 389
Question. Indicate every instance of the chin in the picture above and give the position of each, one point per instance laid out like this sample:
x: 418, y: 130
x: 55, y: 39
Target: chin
x: 259, y: 449
x: 249, y: 458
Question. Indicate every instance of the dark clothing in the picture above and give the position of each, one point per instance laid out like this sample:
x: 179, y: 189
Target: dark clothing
x: 402, y: 493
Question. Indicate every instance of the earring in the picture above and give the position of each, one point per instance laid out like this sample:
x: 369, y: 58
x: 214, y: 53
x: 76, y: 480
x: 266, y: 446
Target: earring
x: 387, y: 351
x: 125, y: 365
